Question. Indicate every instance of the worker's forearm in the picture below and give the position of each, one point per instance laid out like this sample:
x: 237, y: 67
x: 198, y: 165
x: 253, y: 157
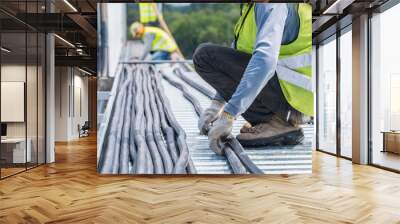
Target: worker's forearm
x: 147, y: 40
x: 146, y: 51
x: 259, y: 71
x: 270, y: 20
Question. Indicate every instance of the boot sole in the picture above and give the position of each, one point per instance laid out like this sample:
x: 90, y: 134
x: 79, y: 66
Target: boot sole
x: 290, y: 138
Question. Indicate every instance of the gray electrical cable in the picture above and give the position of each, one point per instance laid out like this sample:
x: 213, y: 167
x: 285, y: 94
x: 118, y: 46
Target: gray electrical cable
x: 143, y: 134
x: 132, y: 144
x: 162, y: 149
x: 149, y: 159
x: 155, y: 154
x: 238, y: 148
x: 124, y: 154
x: 108, y: 160
x: 233, y: 160
x: 141, y: 158
x: 167, y: 130
x: 184, y: 155
x: 186, y: 94
x: 232, y: 141
x: 117, y: 146
x: 207, y: 92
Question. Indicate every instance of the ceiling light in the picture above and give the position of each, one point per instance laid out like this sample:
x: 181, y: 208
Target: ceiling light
x: 5, y: 50
x: 70, y: 5
x: 65, y: 41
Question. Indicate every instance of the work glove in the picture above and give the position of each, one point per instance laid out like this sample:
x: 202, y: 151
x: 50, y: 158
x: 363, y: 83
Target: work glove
x: 210, y: 115
x: 219, y: 131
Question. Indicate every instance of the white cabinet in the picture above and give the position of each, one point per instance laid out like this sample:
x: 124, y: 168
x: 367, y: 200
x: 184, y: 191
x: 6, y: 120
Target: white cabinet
x: 16, y: 147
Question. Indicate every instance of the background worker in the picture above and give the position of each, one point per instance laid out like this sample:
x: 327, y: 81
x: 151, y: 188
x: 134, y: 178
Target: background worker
x: 148, y: 14
x: 266, y: 77
x: 156, y: 42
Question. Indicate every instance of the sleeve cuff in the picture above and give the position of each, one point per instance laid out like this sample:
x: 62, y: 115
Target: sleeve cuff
x: 231, y: 109
x: 218, y: 97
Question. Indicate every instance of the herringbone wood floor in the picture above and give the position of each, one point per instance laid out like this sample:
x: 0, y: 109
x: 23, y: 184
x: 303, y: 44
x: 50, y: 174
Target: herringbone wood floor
x: 70, y: 191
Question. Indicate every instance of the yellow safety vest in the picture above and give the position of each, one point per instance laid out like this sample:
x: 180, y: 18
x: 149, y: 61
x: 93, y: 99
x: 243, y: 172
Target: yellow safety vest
x: 147, y: 12
x: 162, y: 41
x: 294, y: 69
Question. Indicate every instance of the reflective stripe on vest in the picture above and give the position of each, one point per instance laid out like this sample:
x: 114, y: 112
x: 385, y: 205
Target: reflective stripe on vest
x: 285, y: 70
x: 147, y: 12
x: 294, y: 64
x: 297, y: 61
x: 163, y: 44
x: 162, y: 41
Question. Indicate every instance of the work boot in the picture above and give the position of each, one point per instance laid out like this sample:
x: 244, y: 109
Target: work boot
x: 273, y: 132
x: 295, y: 118
x: 246, y: 127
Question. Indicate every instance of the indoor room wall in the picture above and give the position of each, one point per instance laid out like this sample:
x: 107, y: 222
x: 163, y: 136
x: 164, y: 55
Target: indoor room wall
x: 71, y: 102
x: 15, y: 73
x: 34, y: 104
x: 23, y: 143
x: 80, y: 107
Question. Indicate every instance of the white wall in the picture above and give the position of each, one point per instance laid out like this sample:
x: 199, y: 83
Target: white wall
x: 12, y: 73
x: 79, y: 117
x: 34, y: 125
x: 70, y: 84
x: 61, y: 111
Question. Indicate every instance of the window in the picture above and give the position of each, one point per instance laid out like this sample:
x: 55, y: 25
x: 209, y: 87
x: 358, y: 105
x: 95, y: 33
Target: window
x: 327, y: 96
x: 385, y: 89
x: 22, y: 77
x: 346, y: 93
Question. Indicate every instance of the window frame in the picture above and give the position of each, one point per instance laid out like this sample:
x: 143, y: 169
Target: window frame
x: 334, y: 37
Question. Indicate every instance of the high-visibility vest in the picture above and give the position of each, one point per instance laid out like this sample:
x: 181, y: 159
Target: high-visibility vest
x: 147, y: 12
x: 294, y: 69
x: 162, y: 41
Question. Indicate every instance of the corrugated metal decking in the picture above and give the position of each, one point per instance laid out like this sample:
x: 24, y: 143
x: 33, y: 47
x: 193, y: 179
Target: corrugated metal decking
x: 271, y: 159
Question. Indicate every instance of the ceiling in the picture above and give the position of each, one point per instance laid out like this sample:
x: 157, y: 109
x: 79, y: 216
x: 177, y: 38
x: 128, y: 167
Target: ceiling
x: 329, y: 16
x: 74, y: 22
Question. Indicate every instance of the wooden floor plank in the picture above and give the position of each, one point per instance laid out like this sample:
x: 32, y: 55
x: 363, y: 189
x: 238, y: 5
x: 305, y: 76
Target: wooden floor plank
x: 71, y: 191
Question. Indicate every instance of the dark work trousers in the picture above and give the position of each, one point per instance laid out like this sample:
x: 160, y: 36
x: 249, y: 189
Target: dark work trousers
x: 223, y: 68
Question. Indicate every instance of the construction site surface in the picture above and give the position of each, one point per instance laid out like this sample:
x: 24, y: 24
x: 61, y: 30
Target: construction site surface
x: 114, y: 156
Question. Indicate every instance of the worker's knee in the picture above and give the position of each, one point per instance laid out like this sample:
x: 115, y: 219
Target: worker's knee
x: 201, y: 53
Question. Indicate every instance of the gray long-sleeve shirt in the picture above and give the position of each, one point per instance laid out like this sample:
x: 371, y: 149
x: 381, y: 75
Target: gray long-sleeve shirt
x: 276, y: 24
x: 148, y: 39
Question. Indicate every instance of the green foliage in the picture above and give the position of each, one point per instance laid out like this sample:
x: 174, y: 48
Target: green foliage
x: 132, y: 16
x: 196, y: 23
x: 200, y: 23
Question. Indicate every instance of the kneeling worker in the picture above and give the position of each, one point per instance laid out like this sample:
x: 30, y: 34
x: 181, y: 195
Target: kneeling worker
x: 156, y: 41
x: 266, y: 78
